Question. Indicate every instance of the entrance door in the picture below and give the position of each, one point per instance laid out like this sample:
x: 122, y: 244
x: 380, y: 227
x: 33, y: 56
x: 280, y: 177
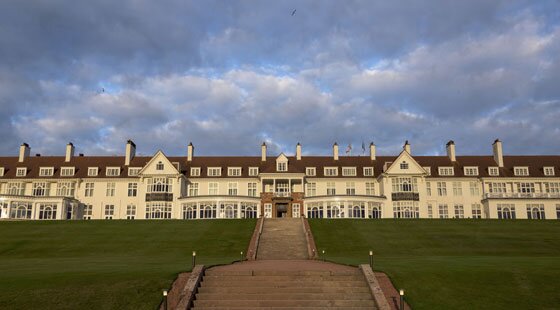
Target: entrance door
x: 282, y: 210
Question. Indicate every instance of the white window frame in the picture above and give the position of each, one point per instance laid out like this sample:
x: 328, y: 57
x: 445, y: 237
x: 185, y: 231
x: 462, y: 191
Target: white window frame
x: 370, y: 188
x: 214, y: 171
x: 310, y: 171
x: 193, y: 189
x: 521, y: 171
x: 493, y: 171
x: 132, y: 189
x: 234, y: 171
x: 470, y: 170
x: 1, y: 171
x: 21, y: 171
x: 446, y: 171
x: 89, y: 188
x: 330, y: 171
x: 331, y: 188
x: 252, y: 189
x: 548, y: 171
x: 46, y: 171
x: 368, y: 171
x: 67, y: 171
x: 113, y: 169
x: 428, y: 170
x: 253, y: 171
x: 110, y: 189
x: 213, y: 190
x: 282, y: 166
x: 350, y: 188
x: 349, y: 171
x: 133, y: 171
x: 233, y: 188
x: 311, y: 189
x: 92, y: 171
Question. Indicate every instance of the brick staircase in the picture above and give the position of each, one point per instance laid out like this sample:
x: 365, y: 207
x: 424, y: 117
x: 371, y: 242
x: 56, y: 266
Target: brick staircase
x: 283, y: 289
x: 282, y: 239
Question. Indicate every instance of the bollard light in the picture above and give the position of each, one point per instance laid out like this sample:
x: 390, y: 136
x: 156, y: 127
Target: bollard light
x: 401, y: 292
x: 164, y: 299
x: 371, y: 259
x: 241, y: 255
x: 193, y: 259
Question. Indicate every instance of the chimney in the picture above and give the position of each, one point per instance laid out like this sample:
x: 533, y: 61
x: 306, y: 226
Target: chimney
x: 263, y: 152
x: 130, y: 152
x: 69, y: 152
x: 298, y: 151
x: 190, y: 151
x: 498, y: 153
x: 406, y: 147
x: 372, y: 151
x: 450, y: 147
x: 335, y: 151
x: 24, y: 151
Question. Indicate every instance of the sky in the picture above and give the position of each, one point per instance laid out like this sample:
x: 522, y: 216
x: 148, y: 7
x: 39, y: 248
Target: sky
x: 228, y: 75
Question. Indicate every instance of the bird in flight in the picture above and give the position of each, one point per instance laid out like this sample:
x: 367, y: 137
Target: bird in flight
x: 294, y: 12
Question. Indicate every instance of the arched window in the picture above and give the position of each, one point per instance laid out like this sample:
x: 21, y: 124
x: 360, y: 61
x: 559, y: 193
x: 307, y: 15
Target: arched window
x: 376, y: 213
x: 314, y: 213
x: 189, y: 213
x: 230, y: 212
x: 209, y: 212
x: 357, y: 212
x: 250, y: 213
x: 21, y: 212
x: 506, y: 213
x: 159, y: 166
x: 407, y: 187
x: 535, y: 213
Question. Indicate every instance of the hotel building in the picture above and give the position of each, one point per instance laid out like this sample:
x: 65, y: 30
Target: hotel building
x: 201, y: 187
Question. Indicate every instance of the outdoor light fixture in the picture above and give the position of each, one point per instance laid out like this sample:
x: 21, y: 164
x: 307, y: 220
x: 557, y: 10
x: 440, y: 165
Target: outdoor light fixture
x: 241, y: 255
x: 401, y: 292
x: 164, y: 299
x: 323, y: 254
x: 371, y: 259
x: 193, y: 259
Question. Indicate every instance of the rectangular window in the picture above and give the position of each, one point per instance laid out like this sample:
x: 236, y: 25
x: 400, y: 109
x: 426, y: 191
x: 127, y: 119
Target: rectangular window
x: 471, y: 171
x: 92, y: 171
x: 428, y: 170
x: 214, y: 171
x: 525, y: 187
x: 349, y: 171
x: 370, y: 188
x: 88, y: 212
x: 193, y: 189
x: 16, y: 188
x: 252, y: 189
x: 41, y: 189
x: 459, y: 211
x: 234, y: 172
x: 497, y: 187
x: 253, y: 171
x: 368, y: 171
x: 110, y: 189
x: 474, y: 189
x: 331, y: 171
x: 65, y: 189
x: 195, y: 171
x: 350, y: 188
x: 310, y: 171
x: 493, y: 171
x: 476, y: 211
x: 553, y: 188
x: 296, y: 210
x: 331, y: 189
x: 89, y: 190
x: 535, y: 212
x: 21, y: 172
x: 548, y: 171
x: 521, y: 171
x: 283, y: 166
x: 46, y: 172
x: 212, y: 188
x: 67, y: 171
x: 311, y: 189
x: 132, y: 189
x: 406, y: 185
x: 130, y: 212
x: 446, y: 171
x: 558, y: 212
x: 443, y: 211
x: 232, y: 189
x: 457, y: 189
x: 441, y: 189
x: 506, y: 211
x: 109, y: 212
x: 428, y: 188
x: 430, y: 211
x: 113, y: 171
x: 133, y: 172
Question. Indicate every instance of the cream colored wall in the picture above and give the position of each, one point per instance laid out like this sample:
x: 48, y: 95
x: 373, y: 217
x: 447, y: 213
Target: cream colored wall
x: 340, y: 185
x: 242, y: 185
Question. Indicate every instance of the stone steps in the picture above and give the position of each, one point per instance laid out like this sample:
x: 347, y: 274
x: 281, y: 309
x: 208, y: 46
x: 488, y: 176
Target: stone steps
x: 284, y: 303
x: 348, y: 295
x: 282, y: 239
x: 289, y: 290
x: 283, y: 278
x: 281, y: 308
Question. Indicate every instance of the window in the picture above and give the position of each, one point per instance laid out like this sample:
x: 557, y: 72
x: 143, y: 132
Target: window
x: 158, y: 210
x: 65, y: 189
x: 252, y: 189
x: 214, y: 171
x: 232, y: 189
x: 89, y: 190
x: 430, y: 211
x: 41, y: 189
x: 195, y: 171
x: 133, y: 172
x: 493, y: 171
x: 21, y: 210
x: 548, y: 171
x: 349, y: 171
x: 441, y: 189
x: 88, y: 212
x: 110, y: 189
x: 552, y: 187
x: 473, y: 186
x: 457, y: 189
x: 375, y: 210
x: 253, y: 171
x: 405, y: 209
x: 130, y: 212
x: 476, y: 211
x: 282, y: 166
x: 92, y: 171
x: 16, y: 188
x: 310, y: 171
x: 207, y: 211
x: 404, y: 165
x: 193, y: 189
x: 428, y: 170
x: 331, y: 189
x: 132, y: 189
x: 535, y: 211
x: 314, y: 210
x: 506, y: 211
x: 521, y: 171
x: 268, y: 210
x: 212, y: 188
x: 189, y: 211
x: 21, y: 172
x: 368, y: 171
x: 404, y: 185
x: 350, y: 188
x: 443, y: 211
x: 558, y: 212
x: 109, y: 212
x: 370, y: 188
x: 525, y: 187
x: 47, y: 212
x: 113, y: 171
x: 446, y: 171
x: 67, y: 171
x: 46, y: 172
x: 459, y: 211
x: 160, y: 185
x: 331, y: 171
x: 497, y: 187
x: 428, y: 188
x: 471, y: 171
x: 311, y: 189
x: 234, y: 172
x: 159, y: 166
x: 1, y: 171
x: 296, y: 210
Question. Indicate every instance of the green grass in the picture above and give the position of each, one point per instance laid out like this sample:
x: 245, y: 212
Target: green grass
x: 455, y: 264
x: 107, y: 264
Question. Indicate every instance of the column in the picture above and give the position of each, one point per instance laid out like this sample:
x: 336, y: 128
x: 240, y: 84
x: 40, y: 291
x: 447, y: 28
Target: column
x: 238, y: 210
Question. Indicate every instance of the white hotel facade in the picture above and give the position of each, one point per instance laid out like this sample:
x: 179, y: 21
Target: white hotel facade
x: 191, y: 187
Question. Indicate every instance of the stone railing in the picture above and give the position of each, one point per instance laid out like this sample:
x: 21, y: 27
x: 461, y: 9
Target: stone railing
x: 521, y: 195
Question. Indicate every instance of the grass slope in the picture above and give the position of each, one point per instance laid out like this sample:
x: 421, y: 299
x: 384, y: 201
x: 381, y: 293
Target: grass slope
x: 455, y: 264
x: 107, y: 264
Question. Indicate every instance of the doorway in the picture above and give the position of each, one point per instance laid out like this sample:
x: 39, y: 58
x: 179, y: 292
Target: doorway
x: 281, y: 210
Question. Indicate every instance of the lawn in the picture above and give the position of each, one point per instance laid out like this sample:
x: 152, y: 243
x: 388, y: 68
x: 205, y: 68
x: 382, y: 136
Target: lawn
x: 107, y: 264
x: 455, y: 264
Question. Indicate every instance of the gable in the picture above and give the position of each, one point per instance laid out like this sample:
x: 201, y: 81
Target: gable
x: 282, y: 158
x: 151, y: 168
x: 409, y: 165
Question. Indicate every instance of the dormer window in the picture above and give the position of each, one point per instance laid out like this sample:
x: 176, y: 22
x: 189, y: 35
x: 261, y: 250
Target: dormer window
x: 113, y: 171
x: 46, y: 171
x: 159, y: 166
x: 214, y: 171
x: 404, y: 165
x: 446, y: 171
x: 349, y: 171
x: 92, y: 171
x: 493, y: 171
x: 521, y: 171
x: 310, y: 171
x: 67, y: 171
x: 234, y: 172
x: 195, y: 171
x: 282, y: 166
x: 428, y: 170
x: 1, y: 171
x: 368, y: 171
x: 331, y: 171
x: 548, y: 171
x: 133, y: 171
x: 21, y: 172
x: 471, y: 171
x: 253, y: 171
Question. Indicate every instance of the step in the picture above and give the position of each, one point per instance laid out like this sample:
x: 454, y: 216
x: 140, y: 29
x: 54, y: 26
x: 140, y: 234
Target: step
x: 349, y: 295
x: 282, y: 308
x: 281, y: 278
x: 288, y: 290
x: 284, y: 303
x: 218, y: 283
x: 214, y: 272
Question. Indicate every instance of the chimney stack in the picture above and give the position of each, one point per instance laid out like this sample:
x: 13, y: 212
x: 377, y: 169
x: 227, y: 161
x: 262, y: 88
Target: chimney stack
x: 498, y: 153
x: 263, y: 152
x: 130, y: 152
x: 69, y: 152
x: 24, y: 151
x: 372, y: 151
x: 335, y: 151
x: 190, y: 151
x: 406, y: 147
x: 298, y: 151
x: 450, y: 147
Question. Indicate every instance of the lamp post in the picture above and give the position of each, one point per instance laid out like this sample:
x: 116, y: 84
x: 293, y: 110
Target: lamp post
x: 401, y: 293
x: 193, y: 259
x: 241, y: 255
x: 323, y: 255
x: 371, y: 259
x: 164, y: 299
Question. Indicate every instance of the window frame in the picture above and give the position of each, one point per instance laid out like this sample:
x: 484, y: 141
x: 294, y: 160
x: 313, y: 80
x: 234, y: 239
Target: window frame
x: 71, y: 169
x: 494, y: 171
x: 549, y: 171
x: 253, y: 171
x: 332, y: 169
x: 367, y: 170
x: 471, y: 171
x: 90, y: 169
x: 214, y: 171
x: 350, y: 171
x: 48, y: 169
x: 310, y: 171
x: 521, y: 171
x: 19, y: 169
x: 446, y: 169
x: 234, y: 171
x: 117, y: 169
